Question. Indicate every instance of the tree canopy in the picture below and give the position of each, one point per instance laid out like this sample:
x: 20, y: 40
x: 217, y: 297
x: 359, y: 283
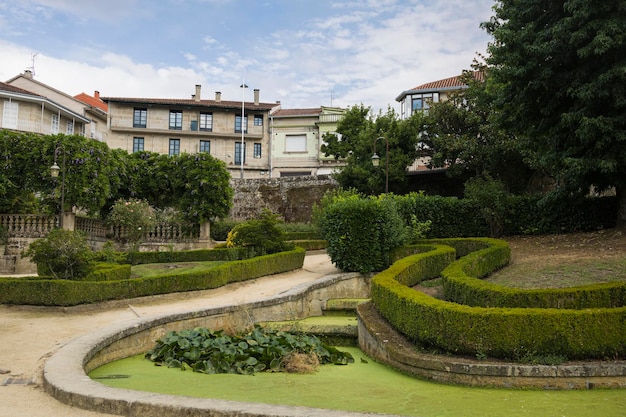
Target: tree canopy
x: 357, y: 137
x: 559, y: 73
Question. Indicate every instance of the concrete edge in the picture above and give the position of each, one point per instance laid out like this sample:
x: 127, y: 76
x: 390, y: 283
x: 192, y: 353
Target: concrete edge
x: 379, y: 340
x: 65, y: 372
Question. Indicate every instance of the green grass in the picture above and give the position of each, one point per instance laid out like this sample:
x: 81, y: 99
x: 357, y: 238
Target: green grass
x: 561, y: 273
x: 151, y: 270
x: 363, y: 386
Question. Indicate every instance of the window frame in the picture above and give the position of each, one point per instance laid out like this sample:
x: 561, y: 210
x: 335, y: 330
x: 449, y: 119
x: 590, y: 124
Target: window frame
x: 10, y: 114
x: 290, y: 145
x: 202, y: 122
x: 207, y: 146
x: 138, y: 144
x: 257, y: 150
x: 54, y: 123
x: 174, y: 147
x: 140, y: 117
x: 237, y: 160
x: 176, y: 120
x: 258, y: 120
x: 238, y: 124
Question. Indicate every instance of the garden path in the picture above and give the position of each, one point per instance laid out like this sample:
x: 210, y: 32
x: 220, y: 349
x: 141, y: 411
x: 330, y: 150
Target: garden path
x: 29, y: 334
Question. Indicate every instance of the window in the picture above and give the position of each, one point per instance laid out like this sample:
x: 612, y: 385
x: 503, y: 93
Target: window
x: 258, y: 120
x: 174, y: 147
x: 238, y: 124
x: 137, y: 144
x: 421, y: 102
x: 9, y: 114
x: 257, y: 150
x: 205, y: 146
x: 176, y: 120
x: 295, y: 143
x: 54, y: 124
x: 238, y: 153
x: 206, y: 122
x: 139, y: 117
x: 69, y: 128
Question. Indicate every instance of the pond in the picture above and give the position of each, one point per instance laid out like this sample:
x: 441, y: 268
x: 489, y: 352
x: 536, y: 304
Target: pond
x: 363, y: 386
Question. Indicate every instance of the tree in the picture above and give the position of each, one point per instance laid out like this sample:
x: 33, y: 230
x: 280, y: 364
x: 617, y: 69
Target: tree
x: 357, y: 134
x: 559, y: 72
x: 64, y: 254
x: 461, y: 137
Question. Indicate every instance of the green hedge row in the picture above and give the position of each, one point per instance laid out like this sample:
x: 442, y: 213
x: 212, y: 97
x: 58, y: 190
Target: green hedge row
x: 509, y: 333
x: 109, y: 272
x: 461, y: 286
x: 197, y: 255
x: 50, y: 292
x: 451, y: 216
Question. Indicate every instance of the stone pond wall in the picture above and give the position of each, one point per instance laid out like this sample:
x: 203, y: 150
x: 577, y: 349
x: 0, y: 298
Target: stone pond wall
x: 291, y: 197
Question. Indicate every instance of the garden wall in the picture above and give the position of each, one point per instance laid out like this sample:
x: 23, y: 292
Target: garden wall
x: 291, y: 197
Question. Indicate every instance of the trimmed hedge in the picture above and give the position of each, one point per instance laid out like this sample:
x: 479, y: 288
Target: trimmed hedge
x: 496, y: 332
x: 50, y: 292
x: 197, y: 255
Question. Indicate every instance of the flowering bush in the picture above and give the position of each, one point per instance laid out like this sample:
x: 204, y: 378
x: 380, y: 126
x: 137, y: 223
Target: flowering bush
x: 134, y: 217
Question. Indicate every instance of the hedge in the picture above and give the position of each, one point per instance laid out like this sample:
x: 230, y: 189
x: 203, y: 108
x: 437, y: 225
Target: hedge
x: 51, y: 292
x: 496, y: 332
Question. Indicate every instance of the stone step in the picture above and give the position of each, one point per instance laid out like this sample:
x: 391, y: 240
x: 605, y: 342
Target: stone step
x: 333, y: 330
x: 342, y: 306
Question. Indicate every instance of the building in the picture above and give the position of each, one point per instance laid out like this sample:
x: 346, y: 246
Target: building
x: 175, y: 126
x: 26, y: 111
x: 95, y: 125
x: 421, y: 97
x: 297, y: 137
x: 97, y: 110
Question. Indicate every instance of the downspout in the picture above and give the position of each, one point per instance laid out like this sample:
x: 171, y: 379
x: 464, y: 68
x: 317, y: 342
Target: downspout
x: 269, y: 151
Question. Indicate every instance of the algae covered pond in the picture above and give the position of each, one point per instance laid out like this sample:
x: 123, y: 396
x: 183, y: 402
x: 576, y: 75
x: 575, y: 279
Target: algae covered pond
x: 363, y: 386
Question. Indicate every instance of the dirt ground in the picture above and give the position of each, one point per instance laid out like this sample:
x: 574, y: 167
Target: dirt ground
x: 29, y: 335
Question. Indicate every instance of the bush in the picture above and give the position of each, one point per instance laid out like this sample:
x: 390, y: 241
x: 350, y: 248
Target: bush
x: 221, y: 228
x: 361, y: 232
x: 64, y: 254
x: 134, y: 217
x: 261, y: 236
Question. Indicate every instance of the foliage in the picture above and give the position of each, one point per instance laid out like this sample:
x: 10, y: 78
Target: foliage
x: 212, y: 352
x: 220, y: 229
x: 63, y: 254
x: 356, y: 140
x: 461, y: 137
x: 362, y: 232
x: 560, y: 87
x: 487, y: 331
x: 134, y: 217
x: 261, y: 235
x: 491, y: 199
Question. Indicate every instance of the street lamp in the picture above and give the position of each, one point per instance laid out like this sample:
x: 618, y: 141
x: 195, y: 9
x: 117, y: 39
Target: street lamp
x: 54, y: 173
x: 243, y: 87
x: 376, y: 161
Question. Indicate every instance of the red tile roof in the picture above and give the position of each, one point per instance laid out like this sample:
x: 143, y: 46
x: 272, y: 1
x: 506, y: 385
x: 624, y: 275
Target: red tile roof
x: 297, y: 112
x: 190, y: 102
x: 94, y: 101
x: 450, y: 82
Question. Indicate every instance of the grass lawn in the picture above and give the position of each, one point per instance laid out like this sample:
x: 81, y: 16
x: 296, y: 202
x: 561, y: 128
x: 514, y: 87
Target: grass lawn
x: 150, y: 270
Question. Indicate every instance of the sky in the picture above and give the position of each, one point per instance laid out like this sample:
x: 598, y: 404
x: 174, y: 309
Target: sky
x: 303, y: 53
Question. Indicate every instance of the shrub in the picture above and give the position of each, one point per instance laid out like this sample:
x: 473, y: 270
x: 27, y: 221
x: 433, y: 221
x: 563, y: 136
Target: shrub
x: 491, y: 198
x: 362, y: 232
x: 134, y: 217
x: 63, y: 254
x: 261, y: 235
x: 221, y: 228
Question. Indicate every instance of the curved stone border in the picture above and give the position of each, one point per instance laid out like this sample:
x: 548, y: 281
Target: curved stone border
x: 379, y: 340
x: 65, y: 373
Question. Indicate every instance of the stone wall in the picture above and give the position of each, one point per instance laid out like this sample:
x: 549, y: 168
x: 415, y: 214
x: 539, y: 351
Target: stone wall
x: 291, y: 197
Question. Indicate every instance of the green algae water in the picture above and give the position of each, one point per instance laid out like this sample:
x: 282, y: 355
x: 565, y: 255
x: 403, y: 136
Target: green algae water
x: 363, y: 386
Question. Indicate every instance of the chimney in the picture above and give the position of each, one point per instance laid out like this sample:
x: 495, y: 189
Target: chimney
x: 28, y: 74
x: 196, y: 97
x: 96, y: 95
x: 218, y: 96
x: 256, y: 96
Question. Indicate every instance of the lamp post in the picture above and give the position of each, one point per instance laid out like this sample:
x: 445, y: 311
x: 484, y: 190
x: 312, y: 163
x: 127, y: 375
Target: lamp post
x: 243, y: 143
x: 376, y: 161
x: 54, y: 173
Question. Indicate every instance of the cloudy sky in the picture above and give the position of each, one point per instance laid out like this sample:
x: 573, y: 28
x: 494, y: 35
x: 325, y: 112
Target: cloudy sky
x: 303, y: 53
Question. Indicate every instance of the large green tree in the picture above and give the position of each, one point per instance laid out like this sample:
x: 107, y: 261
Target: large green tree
x: 461, y: 137
x: 559, y: 67
x: 358, y: 133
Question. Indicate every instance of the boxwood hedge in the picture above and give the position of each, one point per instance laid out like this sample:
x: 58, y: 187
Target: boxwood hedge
x: 496, y: 332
